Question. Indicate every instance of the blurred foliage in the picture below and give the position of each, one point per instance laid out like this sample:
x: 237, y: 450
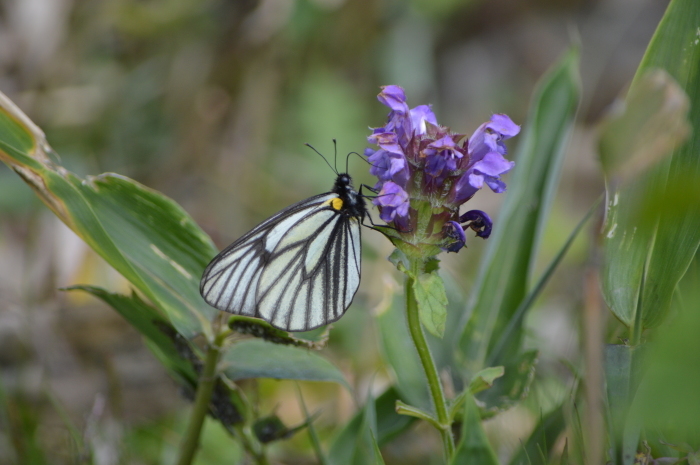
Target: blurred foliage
x: 210, y: 103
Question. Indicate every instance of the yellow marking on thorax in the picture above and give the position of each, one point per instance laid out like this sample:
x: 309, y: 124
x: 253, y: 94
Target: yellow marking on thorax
x: 337, y: 203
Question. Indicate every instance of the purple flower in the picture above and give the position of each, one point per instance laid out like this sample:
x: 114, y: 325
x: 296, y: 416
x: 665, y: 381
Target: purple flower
x: 394, y: 202
x: 489, y: 137
x: 487, y: 170
x: 441, y: 158
x: 389, y: 162
x: 486, y: 162
x: 401, y: 121
x: 455, y: 232
x: 478, y: 221
x: 439, y: 168
x: 419, y: 116
x: 394, y: 98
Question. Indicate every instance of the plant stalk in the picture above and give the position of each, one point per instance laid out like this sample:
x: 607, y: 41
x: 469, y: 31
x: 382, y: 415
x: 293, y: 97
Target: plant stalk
x: 205, y: 387
x: 431, y: 373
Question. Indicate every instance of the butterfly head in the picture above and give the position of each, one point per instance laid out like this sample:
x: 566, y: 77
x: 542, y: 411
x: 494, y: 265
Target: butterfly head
x: 348, y: 200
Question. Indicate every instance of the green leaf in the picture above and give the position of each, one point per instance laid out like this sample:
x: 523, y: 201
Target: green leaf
x: 313, y: 435
x: 400, y: 261
x: 653, y: 122
x: 485, y: 379
x: 565, y: 454
x: 481, y: 381
x: 403, y: 408
x: 432, y: 303
x: 512, y: 387
x: 653, y: 226
x: 505, y: 271
x: 389, y: 423
x: 473, y: 446
x: 260, y: 359
x: 623, y: 366
x: 144, y: 235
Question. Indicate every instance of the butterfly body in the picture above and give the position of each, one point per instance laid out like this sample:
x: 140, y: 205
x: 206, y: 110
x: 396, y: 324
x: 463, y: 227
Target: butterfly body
x: 297, y: 270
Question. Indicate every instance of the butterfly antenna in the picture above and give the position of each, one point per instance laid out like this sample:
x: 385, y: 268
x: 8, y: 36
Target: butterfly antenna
x: 335, y: 155
x: 347, y: 160
x: 324, y: 158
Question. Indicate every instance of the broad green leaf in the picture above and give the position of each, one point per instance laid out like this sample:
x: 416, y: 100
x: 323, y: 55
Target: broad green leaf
x: 260, y: 359
x: 505, y: 271
x: 144, y: 235
x: 653, y: 226
x: 473, y: 447
x: 543, y: 439
x: 652, y: 123
x: 429, y: 290
x: 666, y: 401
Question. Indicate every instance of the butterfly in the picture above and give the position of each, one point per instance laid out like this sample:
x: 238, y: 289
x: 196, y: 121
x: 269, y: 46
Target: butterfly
x: 297, y: 270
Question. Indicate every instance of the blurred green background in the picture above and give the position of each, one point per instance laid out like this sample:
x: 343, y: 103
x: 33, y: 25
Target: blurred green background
x: 210, y: 102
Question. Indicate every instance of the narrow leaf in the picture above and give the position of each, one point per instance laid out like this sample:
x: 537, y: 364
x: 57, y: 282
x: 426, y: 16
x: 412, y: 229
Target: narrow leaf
x: 403, y: 408
x: 505, y: 272
x: 432, y: 303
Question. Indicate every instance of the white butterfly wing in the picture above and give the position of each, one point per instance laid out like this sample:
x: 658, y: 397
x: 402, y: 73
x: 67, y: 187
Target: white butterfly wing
x: 298, y: 270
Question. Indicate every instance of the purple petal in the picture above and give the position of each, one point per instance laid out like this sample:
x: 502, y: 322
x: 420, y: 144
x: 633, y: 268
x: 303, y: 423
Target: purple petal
x: 503, y: 125
x: 454, y: 231
x: 476, y: 180
x: 419, y: 116
x: 493, y: 164
x: 393, y: 97
x: 478, y: 221
x: 463, y: 190
x: 495, y: 184
x: 393, y: 202
x: 446, y: 143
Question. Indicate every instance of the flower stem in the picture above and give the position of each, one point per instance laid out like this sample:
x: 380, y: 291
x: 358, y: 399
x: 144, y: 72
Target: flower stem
x: 430, y: 369
x: 205, y: 387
